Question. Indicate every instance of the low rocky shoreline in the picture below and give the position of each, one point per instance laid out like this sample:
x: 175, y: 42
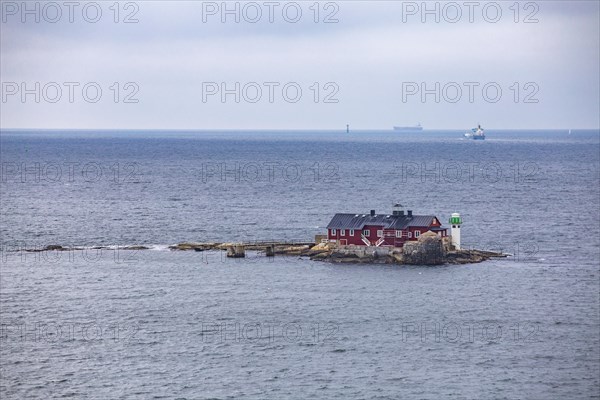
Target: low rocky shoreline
x: 452, y: 257
x: 430, y: 249
x: 56, y: 247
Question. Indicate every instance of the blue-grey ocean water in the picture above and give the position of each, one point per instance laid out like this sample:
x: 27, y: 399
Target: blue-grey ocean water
x: 156, y: 323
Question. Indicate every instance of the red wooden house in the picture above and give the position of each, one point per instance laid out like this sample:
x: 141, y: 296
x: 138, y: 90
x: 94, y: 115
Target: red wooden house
x: 381, y: 229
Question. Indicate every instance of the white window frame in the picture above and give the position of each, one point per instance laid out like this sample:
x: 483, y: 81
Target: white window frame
x: 399, y: 234
x: 417, y: 234
x: 410, y: 235
x: 380, y: 233
x: 351, y: 232
x: 342, y: 232
x: 367, y: 232
x: 333, y: 231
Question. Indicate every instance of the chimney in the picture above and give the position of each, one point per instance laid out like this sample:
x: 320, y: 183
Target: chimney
x: 409, y: 213
x: 372, y: 213
x: 401, y: 213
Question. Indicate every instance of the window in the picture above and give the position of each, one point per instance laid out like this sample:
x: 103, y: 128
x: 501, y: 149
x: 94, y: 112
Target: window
x: 343, y: 232
x: 398, y: 234
x: 351, y: 232
x: 379, y: 233
x: 367, y: 232
x: 333, y: 231
x: 417, y: 234
x: 410, y: 235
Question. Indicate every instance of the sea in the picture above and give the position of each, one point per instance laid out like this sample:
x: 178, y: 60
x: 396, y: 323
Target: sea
x: 104, y: 320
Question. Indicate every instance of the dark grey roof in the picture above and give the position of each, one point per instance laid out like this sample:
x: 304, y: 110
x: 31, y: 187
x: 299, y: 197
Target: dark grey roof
x: 358, y: 221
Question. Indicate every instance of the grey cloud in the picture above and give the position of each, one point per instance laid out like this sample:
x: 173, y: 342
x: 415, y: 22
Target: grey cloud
x: 369, y: 54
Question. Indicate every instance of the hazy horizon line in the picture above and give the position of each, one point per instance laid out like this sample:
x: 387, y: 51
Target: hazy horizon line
x: 288, y: 129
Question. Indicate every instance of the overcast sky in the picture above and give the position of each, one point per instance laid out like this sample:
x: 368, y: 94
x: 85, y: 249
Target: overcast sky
x: 368, y: 69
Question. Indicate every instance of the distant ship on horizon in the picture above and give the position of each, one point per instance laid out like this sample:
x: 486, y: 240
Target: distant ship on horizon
x: 415, y: 128
x: 476, y: 133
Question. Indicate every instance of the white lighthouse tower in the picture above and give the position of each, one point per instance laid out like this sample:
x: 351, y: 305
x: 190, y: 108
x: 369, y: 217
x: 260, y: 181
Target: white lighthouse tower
x: 455, y: 223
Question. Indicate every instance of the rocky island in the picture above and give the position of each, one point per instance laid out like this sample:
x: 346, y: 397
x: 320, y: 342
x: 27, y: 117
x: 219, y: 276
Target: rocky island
x: 397, y: 238
x: 429, y: 249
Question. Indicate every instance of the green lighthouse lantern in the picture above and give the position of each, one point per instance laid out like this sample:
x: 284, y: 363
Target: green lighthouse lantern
x: 455, y: 219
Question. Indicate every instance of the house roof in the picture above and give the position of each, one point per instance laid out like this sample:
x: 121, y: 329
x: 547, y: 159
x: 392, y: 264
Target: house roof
x: 358, y: 221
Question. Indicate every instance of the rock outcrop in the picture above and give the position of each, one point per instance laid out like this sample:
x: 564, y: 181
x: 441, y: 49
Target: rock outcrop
x: 194, y: 246
x: 471, y: 256
x: 428, y: 250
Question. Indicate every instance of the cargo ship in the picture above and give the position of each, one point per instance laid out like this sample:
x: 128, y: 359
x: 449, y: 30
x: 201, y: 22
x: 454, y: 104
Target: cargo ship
x: 416, y: 128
